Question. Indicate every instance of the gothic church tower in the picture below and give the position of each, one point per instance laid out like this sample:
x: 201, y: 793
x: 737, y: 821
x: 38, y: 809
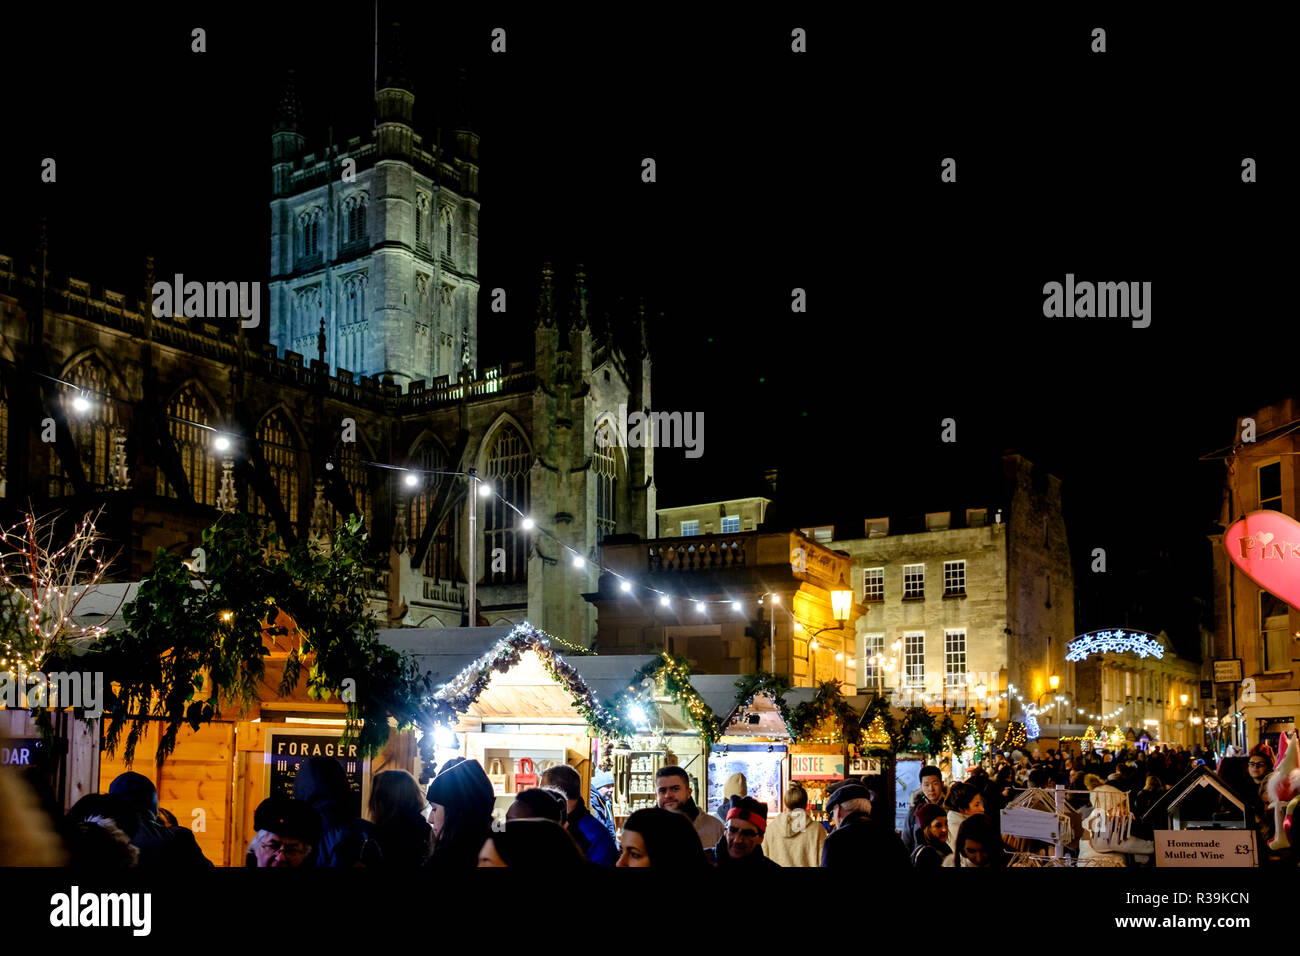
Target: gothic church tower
x: 377, y: 238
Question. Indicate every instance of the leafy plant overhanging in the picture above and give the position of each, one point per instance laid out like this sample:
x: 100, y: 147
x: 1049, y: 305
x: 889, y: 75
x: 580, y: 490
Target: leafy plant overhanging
x: 197, y: 643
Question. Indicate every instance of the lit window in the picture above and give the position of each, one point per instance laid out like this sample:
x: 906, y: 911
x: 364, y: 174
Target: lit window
x: 690, y: 528
x: 280, y: 453
x: 1275, y: 633
x: 507, y: 471
x: 913, y: 580
x: 873, y: 584
x: 192, y: 443
x: 871, y: 645
x: 954, y: 658
x: 954, y: 577
x: 914, y: 659
x: 731, y: 524
x: 605, y: 468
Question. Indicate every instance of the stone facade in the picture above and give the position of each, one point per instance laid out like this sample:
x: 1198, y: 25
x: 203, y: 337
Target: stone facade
x: 1250, y: 623
x: 989, y: 603
x: 747, y: 513
x: 312, y: 442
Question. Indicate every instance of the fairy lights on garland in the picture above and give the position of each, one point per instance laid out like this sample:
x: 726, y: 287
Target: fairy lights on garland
x: 1016, y: 736
x: 675, y: 674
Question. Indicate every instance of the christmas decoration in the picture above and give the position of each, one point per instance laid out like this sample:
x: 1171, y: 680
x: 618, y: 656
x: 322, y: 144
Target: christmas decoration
x: 1016, y: 736
x: 674, y: 673
x: 1118, y: 640
x: 876, y: 735
x: 1032, y: 730
x: 973, y: 736
x: 918, y: 731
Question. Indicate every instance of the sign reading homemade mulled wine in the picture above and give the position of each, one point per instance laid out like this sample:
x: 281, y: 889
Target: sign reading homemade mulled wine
x: 1205, y: 848
x: 1265, y: 546
x: 289, y: 749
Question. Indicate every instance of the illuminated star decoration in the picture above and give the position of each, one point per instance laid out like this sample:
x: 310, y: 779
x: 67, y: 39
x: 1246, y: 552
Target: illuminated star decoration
x: 1104, y: 642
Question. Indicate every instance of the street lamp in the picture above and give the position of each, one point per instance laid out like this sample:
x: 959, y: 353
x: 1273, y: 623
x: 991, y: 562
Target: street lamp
x: 1053, y: 682
x: 841, y: 606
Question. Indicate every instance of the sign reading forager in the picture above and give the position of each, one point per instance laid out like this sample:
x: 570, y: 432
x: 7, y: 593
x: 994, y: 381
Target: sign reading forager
x: 1265, y: 546
x: 287, y: 750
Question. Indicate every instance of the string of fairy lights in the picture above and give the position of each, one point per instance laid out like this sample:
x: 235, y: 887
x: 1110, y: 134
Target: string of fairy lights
x: 1032, y: 707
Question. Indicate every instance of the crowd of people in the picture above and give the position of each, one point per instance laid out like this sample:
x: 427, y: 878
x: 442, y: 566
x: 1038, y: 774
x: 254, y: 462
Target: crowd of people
x: 453, y: 823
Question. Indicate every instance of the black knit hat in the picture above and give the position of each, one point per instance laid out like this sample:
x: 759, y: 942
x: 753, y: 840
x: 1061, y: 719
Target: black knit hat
x: 287, y: 817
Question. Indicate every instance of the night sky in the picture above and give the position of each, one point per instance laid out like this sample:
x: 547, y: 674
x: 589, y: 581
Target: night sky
x: 774, y: 171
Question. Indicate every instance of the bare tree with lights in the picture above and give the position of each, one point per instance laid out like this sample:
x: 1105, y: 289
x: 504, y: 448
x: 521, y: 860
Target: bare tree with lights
x: 43, y: 586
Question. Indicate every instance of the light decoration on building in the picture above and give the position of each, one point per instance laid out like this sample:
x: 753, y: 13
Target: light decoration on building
x: 1032, y: 729
x: 877, y: 735
x: 1111, y: 641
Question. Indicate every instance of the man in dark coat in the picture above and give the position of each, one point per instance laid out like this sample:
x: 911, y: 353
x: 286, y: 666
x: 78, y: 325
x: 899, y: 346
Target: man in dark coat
x: 164, y: 848
x: 858, y: 841
x: 589, y: 833
x: 741, y: 846
x: 322, y: 784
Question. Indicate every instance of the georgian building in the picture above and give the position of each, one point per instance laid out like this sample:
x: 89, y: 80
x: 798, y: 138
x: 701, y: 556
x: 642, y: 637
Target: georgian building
x: 1253, y: 625
x: 372, y: 361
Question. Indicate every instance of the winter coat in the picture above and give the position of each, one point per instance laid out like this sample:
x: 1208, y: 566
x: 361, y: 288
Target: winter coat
x: 706, y: 825
x: 592, y: 837
x: 720, y: 858
x: 930, y: 856
x: 404, y: 842
x: 342, y: 836
x: 912, y: 831
x: 955, y: 820
x: 794, y: 839
x: 858, y: 842
x: 163, y: 848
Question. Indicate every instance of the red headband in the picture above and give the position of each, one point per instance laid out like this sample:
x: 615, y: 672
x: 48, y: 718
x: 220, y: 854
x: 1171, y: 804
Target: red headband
x: 749, y: 817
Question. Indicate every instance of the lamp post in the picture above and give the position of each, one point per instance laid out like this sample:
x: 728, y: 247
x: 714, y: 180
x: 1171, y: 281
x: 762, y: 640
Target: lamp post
x: 841, y: 605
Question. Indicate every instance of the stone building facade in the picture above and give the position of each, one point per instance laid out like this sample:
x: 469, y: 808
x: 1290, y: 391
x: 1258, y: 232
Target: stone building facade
x: 310, y: 439
x: 715, y: 517
x: 1252, y: 625
x: 985, y: 598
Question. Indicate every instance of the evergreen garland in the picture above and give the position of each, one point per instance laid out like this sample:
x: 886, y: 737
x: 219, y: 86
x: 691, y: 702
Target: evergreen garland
x: 918, y: 719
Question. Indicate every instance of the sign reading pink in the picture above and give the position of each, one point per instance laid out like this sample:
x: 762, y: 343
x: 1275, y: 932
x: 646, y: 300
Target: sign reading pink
x: 1265, y: 546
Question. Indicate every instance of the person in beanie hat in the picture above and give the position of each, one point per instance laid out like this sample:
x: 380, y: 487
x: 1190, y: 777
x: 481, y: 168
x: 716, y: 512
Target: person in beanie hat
x: 461, y: 798
x: 931, y: 837
x: 741, y: 847
x: 736, y: 786
x: 161, y: 847
x: 857, y: 841
x: 288, y: 831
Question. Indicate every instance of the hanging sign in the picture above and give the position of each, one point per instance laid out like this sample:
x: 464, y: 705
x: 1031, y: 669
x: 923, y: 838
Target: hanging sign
x: 1265, y: 546
x: 1031, y: 824
x: 864, y: 766
x: 1227, y: 671
x: 817, y: 766
x: 1115, y: 640
x: 18, y: 751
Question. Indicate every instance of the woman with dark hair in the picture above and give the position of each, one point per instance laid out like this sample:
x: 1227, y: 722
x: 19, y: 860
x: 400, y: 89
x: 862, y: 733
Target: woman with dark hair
x: 977, y: 845
x: 658, y: 837
x: 534, y: 844
x: 396, y: 808
x: 461, y: 798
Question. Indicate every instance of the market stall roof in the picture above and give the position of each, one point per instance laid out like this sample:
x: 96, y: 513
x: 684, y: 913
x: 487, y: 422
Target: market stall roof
x: 443, y: 651
x: 1167, y: 807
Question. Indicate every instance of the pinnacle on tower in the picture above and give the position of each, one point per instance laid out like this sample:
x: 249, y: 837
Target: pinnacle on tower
x: 392, y: 60
x: 290, y: 107
x: 577, y: 317
x: 546, y: 299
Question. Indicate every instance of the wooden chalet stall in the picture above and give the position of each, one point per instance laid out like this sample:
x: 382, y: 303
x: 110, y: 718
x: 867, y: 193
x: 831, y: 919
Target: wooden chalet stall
x: 518, y: 701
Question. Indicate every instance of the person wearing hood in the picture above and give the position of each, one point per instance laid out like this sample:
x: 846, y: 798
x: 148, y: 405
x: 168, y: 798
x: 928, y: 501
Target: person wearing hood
x: 166, y: 848
x: 858, y: 842
x: 461, y: 798
x: 602, y: 807
x: 405, y: 838
x: 741, y: 847
x: 322, y: 784
x: 794, y: 838
x: 673, y: 792
x: 736, y: 786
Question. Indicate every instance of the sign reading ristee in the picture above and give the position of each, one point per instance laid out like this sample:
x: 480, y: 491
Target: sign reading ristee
x: 817, y: 766
x: 1205, y: 848
x: 1227, y: 671
x: 287, y: 750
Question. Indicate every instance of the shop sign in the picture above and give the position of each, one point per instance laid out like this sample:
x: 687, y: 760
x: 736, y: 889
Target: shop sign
x: 1228, y: 671
x: 287, y: 750
x: 1205, y: 848
x: 817, y: 766
x: 864, y: 766
x: 1265, y: 546
x: 18, y: 751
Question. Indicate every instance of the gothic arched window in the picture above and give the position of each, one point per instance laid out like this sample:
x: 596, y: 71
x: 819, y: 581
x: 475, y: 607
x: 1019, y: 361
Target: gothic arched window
x: 605, y: 469
x: 92, y: 429
x: 356, y: 218
x: 193, y: 446
x: 348, y: 458
x: 421, y: 220
x: 446, y: 226
x: 280, y: 452
x: 507, y: 472
x: 442, y: 559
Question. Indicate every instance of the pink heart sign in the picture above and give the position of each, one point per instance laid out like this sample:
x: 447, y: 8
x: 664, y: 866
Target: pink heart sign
x: 1265, y: 546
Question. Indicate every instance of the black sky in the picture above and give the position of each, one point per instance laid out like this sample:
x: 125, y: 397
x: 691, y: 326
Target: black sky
x: 775, y: 171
